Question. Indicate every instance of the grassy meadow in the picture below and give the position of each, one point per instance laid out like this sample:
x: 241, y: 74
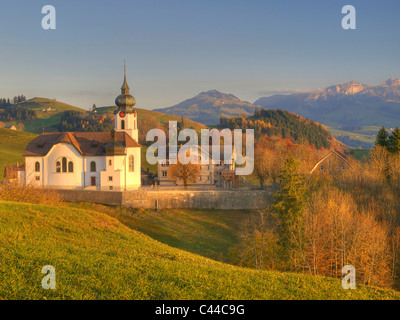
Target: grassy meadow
x: 12, y: 146
x: 97, y: 257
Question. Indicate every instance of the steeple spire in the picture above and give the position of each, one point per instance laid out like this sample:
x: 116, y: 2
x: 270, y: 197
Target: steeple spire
x: 125, y: 101
x: 125, y: 87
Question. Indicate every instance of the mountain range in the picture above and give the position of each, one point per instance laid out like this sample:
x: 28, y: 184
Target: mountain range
x: 348, y: 105
x: 353, y: 111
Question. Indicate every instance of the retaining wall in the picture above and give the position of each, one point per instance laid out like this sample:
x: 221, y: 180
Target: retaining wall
x: 204, y: 199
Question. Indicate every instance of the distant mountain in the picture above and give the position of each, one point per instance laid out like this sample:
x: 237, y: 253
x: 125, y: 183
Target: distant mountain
x: 207, y: 107
x: 346, y: 105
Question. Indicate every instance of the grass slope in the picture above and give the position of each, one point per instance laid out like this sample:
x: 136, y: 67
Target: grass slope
x: 96, y: 257
x: 207, y: 232
x: 12, y: 146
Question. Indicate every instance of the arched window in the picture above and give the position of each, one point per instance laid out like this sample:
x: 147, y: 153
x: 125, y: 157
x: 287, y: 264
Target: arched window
x: 37, y: 167
x: 64, y: 164
x: 123, y: 124
x: 131, y: 163
x: 70, y: 166
x: 58, y: 166
x: 93, y: 166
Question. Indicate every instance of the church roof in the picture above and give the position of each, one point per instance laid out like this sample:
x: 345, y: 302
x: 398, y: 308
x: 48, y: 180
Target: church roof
x: 86, y: 143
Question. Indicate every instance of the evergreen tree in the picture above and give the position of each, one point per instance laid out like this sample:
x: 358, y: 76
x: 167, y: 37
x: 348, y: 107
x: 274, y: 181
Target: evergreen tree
x: 289, y: 204
x: 394, y: 141
x: 382, y: 138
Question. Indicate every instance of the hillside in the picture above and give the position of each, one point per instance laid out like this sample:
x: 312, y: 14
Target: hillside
x: 46, y: 120
x: 159, y: 116
x: 207, y: 107
x: 12, y: 146
x: 96, y: 257
x: 284, y: 125
x: 348, y: 107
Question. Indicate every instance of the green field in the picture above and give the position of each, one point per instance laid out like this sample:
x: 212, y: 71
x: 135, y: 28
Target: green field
x: 96, y: 257
x: 209, y: 233
x: 12, y: 146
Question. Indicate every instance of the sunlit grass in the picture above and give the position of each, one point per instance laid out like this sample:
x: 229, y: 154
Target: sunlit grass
x: 96, y: 257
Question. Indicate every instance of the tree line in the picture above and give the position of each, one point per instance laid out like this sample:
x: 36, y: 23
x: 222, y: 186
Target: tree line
x: 283, y: 124
x: 4, y: 102
x: 17, y: 113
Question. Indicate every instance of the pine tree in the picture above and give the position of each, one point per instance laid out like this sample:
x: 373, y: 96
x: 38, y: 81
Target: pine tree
x: 382, y: 138
x: 394, y: 141
x: 289, y: 204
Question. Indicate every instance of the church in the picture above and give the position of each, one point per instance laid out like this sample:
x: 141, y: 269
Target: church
x: 89, y: 160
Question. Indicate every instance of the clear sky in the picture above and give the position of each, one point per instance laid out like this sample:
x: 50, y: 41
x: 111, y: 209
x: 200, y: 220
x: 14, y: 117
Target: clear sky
x: 176, y: 49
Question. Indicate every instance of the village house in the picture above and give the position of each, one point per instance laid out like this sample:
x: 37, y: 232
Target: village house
x: 13, y: 173
x: 332, y: 164
x: 214, y: 173
x: 89, y: 160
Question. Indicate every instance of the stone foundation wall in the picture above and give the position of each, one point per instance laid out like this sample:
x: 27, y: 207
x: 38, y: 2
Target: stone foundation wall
x: 204, y: 199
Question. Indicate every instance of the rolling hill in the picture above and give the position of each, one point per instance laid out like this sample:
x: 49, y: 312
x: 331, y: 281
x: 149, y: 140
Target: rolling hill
x: 207, y: 107
x: 159, y: 116
x: 12, y: 146
x: 96, y: 257
x: 46, y: 120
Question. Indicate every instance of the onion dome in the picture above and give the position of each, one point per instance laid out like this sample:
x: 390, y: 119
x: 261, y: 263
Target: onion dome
x: 125, y: 100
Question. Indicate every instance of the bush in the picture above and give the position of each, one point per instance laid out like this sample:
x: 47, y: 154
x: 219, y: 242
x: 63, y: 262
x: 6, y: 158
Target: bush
x: 30, y: 194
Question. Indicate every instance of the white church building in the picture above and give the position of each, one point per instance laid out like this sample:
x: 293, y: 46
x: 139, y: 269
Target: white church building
x: 89, y: 160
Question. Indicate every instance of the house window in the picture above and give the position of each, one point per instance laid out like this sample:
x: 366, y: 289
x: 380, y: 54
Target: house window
x: 37, y: 178
x: 131, y: 163
x: 110, y: 178
x: 70, y: 166
x: 110, y: 162
x: 37, y: 167
x: 322, y: 168
x: 343, y: 168
x: 123, y: 124
x: 93, y: 166
x: 58, y: 166
x: 64, y: 164
x: 164, y: 174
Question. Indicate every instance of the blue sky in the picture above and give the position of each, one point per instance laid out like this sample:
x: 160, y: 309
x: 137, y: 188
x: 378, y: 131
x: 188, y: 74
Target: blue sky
x: 176, y: 49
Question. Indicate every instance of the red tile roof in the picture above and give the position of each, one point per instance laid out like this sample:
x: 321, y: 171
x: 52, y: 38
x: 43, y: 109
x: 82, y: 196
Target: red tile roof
x: 86, y: 143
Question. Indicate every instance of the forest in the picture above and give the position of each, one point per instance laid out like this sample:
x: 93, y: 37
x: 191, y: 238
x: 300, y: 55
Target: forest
x: 319, y: 223
x: 283, y: 124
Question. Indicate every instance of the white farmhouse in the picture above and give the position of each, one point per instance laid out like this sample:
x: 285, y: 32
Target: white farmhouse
x: 89, y: 160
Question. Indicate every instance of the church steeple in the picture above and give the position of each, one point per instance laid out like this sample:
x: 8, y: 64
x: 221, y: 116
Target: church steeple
x: 125, y: 87
x: 125, y: 100
x: 125, y: 116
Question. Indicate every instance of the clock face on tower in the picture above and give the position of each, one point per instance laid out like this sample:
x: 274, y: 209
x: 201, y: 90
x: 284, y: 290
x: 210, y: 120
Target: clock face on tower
x: 122, y: 114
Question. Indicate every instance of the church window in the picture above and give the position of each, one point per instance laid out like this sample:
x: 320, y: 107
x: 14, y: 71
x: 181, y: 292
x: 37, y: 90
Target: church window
x: 110, y: 162
x: 123, y: 124
x: 110, y: 178
x: 64, y: 164
x: 70, y: 166
x: 37, y: 167
x: 58, y: 166
x: 93, y: 166
x: 131, y: 163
